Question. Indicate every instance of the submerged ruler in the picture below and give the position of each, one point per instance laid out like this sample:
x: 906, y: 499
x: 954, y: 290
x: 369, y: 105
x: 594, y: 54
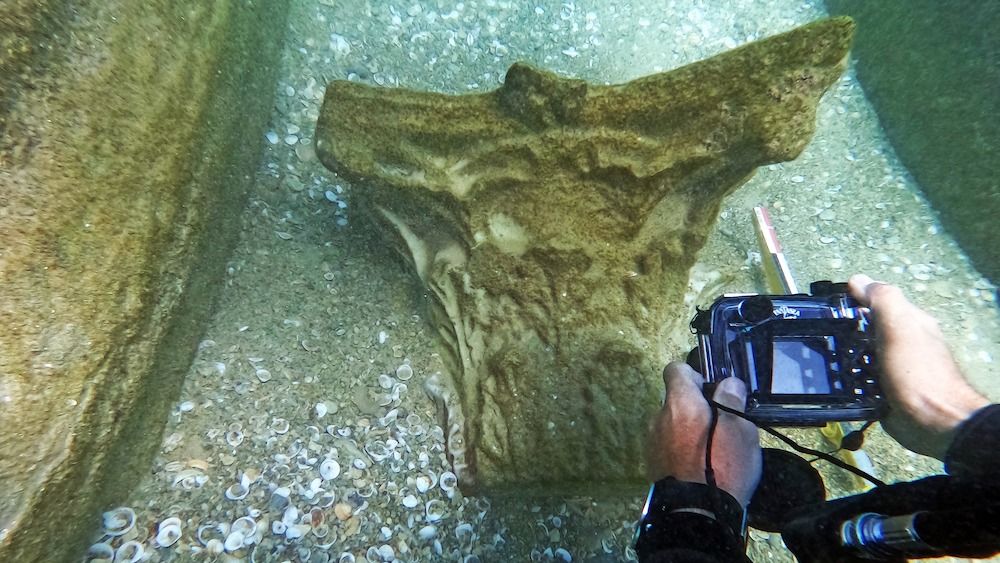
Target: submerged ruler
x: 778, y: 277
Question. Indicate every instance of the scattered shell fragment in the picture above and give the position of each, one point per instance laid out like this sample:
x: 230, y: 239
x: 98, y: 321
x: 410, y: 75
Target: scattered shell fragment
x: 385, y: 381
x: 448, y: 483
x: 272, y: 137
x: 339, y: 45
x: 246, y: 526
x: 129, y: 552
x: 410, y: 501
x: 404, y: 372
x: 378, y: 450
x: 215, y: 547
x: 427, y: 532
x: 263, y: 375
x: 306, y: 152
x: 279, y: 498
x: 234, y: 438
x: 211, y: 531
x: 327, y: 499
x: 291, y: 515
x: 329, y: 469
x: 291, y: 139
x: 316, y: 517
x: 423, y: 483
x: 199, y: 464
x: 296, y: 531
x: 250, y: 476
x: 118, y: 521
x: 173, y: 466
x: 464, y: 532
x: 279, y: 425
x: 435, y: 509
x: 168, y: 532
x: 234, y: 541
x: 237, y: 491
x: 342, y: 511
x: 321, y: 410
x: 189, y: 479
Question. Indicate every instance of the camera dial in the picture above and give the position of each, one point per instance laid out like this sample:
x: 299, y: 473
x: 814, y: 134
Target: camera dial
x: 756, y: 309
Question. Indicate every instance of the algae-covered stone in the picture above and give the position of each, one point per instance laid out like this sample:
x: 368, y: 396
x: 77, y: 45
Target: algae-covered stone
x: 123, y: 165
x: 554, y: 222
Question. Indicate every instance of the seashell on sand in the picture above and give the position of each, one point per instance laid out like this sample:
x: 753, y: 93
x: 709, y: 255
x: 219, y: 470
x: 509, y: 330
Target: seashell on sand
x: 342, y: 511
x: 130, y: 552
x: 234, y: 541
x: 435, y: 510
x: 168, y: 532
x: 329, y: 469
x: 404, y: 372
x: 237, y: 491
x: 118, y: 521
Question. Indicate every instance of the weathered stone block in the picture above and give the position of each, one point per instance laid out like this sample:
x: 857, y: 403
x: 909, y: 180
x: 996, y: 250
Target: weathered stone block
x: 124, y: 160
x: 554, y: 222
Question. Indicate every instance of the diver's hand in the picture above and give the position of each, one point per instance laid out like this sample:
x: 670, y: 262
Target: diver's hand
x: 680, y: 430
x: 927, y: 394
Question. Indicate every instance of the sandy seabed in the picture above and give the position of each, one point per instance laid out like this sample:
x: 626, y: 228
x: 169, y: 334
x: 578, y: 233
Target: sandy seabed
x: 299, y: 364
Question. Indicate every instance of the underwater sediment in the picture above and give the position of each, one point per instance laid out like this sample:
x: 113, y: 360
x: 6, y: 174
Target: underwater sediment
x: 554, y: 222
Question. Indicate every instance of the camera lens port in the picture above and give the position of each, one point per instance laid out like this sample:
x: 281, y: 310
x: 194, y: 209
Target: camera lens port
x: 756, y: 309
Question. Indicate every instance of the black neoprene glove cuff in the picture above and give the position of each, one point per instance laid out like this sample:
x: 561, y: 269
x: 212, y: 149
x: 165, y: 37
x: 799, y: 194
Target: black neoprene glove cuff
x: 973, y: 451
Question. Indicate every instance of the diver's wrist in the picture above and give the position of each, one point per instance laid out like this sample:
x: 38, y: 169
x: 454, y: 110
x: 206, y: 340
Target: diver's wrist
x: 671, y: 499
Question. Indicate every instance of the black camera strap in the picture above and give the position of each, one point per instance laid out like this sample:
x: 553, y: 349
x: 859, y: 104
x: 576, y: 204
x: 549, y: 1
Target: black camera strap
x: 791, y: 443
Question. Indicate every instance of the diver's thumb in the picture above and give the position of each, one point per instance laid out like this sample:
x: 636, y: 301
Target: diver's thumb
x: 732, y: 393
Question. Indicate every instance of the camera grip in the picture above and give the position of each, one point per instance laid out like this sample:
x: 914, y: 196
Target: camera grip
x: 694, y: 360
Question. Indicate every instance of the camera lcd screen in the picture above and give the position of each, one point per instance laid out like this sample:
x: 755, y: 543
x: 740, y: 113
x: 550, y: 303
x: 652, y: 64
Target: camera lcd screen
x: 799, y: 365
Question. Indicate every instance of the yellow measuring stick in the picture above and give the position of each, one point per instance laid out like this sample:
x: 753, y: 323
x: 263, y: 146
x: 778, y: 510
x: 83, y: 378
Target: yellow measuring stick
x: 778, y: 278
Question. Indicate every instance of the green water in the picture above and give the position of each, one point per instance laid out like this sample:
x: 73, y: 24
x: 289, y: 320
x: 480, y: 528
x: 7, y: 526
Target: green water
x: 314, y: 298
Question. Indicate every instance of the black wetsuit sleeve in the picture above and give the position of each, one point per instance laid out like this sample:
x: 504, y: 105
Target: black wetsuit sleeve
x: 975, y: 451
x: 697, y: 538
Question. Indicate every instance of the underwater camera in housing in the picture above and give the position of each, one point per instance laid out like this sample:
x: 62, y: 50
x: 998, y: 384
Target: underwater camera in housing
x: 806, y: 359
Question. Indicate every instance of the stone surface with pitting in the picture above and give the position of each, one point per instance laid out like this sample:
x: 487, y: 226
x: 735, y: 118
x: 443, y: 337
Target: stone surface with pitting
x: 554, y: 222
x: 123, y: 132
